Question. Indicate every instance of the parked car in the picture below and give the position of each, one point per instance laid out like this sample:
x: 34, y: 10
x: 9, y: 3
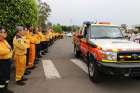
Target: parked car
x: 69, y: 34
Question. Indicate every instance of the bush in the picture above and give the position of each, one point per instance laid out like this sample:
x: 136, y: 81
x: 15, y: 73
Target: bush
x: 17, y: 12
x: 57, y: 28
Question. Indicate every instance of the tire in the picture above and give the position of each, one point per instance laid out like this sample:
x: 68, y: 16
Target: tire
x: 76, y: 52
x: 93, y: 71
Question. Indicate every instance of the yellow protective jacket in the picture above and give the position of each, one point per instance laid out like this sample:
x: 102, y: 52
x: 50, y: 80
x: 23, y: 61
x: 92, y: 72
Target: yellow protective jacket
x: 41, y: 36
x: 50, y: 35
x: 53, y: 35
x: 27, y: 39
x: 33, y: 41
x: 20, y: 45
x: 5, y: 50
x: 47, y: 36
x: 37, y: 38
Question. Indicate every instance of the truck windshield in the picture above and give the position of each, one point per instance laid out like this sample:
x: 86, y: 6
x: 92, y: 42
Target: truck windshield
x: 109, y: 32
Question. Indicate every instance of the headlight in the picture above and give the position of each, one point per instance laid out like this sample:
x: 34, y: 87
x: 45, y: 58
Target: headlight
x: 112, y: 56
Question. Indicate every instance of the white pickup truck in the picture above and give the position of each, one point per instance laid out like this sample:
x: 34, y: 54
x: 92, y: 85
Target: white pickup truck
x: 107, y: 51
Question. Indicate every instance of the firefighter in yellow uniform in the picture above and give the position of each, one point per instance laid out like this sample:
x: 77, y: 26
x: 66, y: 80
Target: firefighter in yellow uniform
x: 37, y: 45
x: 28, y: 40
x: 61, y: 35
x: 56, y: 36
x: 20, y: 51
x: 40, y: 34
x: 50, y: 36
x: 47, y: 41
x: 53, y: 35
x: 33, y: 41
x: 5, y: 62
x: 44, y: 42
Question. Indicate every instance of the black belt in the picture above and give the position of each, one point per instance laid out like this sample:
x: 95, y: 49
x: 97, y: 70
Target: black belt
x: 4, y: 60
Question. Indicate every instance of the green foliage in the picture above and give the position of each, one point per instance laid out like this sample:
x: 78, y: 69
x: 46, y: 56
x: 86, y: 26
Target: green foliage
x: 17, y: 12
x: 44, y: 12
x: 67, y: 28
x: 57, y: 28
x: 72, y: 28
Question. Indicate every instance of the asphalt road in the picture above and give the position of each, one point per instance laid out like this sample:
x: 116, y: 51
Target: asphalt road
x: 61, y: 72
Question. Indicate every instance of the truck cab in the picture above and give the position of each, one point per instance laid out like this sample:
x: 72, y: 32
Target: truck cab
x: 107, y: 50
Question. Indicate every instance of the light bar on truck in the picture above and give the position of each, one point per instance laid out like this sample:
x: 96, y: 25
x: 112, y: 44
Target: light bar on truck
x: 103, y: 23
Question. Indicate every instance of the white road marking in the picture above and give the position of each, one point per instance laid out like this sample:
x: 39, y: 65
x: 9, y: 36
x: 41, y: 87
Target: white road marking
x: 50, y: 70
x: 80, y: 64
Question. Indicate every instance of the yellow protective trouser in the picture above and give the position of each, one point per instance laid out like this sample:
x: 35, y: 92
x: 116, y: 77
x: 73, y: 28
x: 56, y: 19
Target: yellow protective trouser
x: 31, y: 56
x: 20, y: 61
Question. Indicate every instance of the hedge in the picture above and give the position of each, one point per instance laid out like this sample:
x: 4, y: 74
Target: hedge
x: 17, y: 12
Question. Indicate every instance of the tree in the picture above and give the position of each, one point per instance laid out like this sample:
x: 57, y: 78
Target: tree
x: 57, y: 28
x: 17, y: 12
x: 44, y: 12
x: 72, y: 28
x: 66, y: 28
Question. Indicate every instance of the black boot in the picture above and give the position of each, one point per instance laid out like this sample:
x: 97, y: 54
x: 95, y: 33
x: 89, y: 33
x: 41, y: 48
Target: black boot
x: 46, y: 50
x: 24, y: 79
x: 32, y: 67
x: 27, y: 72
x: 37, y: 61
x: 43, y: 53
x: 21, y: 83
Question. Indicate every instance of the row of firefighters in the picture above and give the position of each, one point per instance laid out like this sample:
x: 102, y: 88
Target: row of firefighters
x: 29, y: 44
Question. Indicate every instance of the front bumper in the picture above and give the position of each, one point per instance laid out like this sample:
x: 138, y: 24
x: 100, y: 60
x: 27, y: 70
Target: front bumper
x: 120, y: 69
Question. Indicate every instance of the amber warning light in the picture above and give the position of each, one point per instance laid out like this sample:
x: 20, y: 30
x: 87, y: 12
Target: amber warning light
x: 103, y: 23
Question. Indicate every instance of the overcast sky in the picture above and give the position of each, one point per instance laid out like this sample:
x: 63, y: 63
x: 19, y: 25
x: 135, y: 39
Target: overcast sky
x: 76, y: 11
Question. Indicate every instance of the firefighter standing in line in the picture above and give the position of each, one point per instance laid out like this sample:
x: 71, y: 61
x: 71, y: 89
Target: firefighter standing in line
x: 45, y: 46
x: 62, y: 35
x: 27, y: 38
x: 20, y: 51
x: 5, y: 62
x: 50, y: 35
x: 47, y: 41
x: 37, y: 46
x: 40, y: 34
x: 33, y: 41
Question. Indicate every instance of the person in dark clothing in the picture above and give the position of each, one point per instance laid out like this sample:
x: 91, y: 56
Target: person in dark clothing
x: 5, y: 62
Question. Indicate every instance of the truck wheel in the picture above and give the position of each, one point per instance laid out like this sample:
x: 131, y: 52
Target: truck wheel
x: 76, y: 52
x: 94, y: 73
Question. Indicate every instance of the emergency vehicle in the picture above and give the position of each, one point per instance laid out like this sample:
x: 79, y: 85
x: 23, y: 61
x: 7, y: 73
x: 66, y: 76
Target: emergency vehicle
x: 107, y: 51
